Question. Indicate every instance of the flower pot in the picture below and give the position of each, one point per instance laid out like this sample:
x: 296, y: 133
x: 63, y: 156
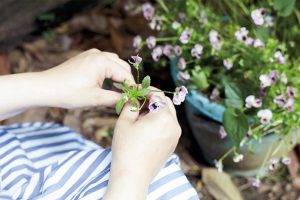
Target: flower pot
x: 205, y: 119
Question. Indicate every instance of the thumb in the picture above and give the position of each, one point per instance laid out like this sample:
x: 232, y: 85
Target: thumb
x: 129, y: 115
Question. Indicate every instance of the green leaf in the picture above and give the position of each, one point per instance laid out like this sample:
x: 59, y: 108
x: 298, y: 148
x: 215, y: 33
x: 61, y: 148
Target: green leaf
x: 134, y: 104
x: 199, y: 79
x: 233, y: 94
x: 143, y: 92
x: 118, y: 85
x: 235, y: 124
x: 284, y: 7
x: 146, y: 82
x: 121, y: 104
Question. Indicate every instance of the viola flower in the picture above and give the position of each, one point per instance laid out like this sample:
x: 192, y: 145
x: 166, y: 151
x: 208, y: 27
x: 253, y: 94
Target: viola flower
x: 228, y: 64
x: 269, y: 21
x: 249, y: 41
x: 183, y: 76
x: 168, y: 50
x: 136, y: 61
x: 156, y: 103
x: 258, y: 44
x: 255, y: 182
x: 251, y: 101
x: 290, y: 92
x: 242, y: 34
x: 185, y: 36
x: 219, y: 166
x: 279, y: 57
x: 274, y: 76
x: 179, y: 95
x: 284, y: 79
x: 258, y: 16
x: 177, y: 50
x: 155, y: 23
x: 151, y: 42
x: 157, y: 53
x: 181, y: 63
x: 273, y: 164
x: 289, y: 104
x: 137, y: 42
x: 286, y: 160
x: 214, y: 39
x: 148, y: 11
x: 176, y: 25
x: 222, y: 132
x: 238, y: 158
x: 215, y: 94
x: 280, y: 100
x: 265, y: 116
x: 265, y: 80
x: 197, y: 51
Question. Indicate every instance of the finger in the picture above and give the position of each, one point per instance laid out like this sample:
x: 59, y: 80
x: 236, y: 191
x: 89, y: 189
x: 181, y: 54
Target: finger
x: 171, y: 107
x: 121, y: 62
x: 159, y: 97
x: 108, y: 97
x: 129, y: 115
x: 117, y: 73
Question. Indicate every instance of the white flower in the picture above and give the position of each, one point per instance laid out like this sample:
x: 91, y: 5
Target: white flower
x: 177, y: 50
x: 265, y: 116
x: 156, y: 53
x: 137, y: 42
x: 168, y: 50
x: 286, y: 160
x: 238, y: 158
x: 255, y: 182
x: 228, y: 64
x: 290, y: 91
x: 176, y: 25
x: 197, y: 51
x: 279, y: 57
x: 242, y: 34
x: 151, y: 42
x: 273, y: 163
x: 148, y: 11
x: 269, y: 21
x: 249, y: 41
x: 203, y: 18
x: 222, y: 132
x: 289, y: 104
x: 251, y: 101
x: 219, y: 165
x: 215, y: 94
x: 181, y: 63
x: 284, y: 79
x: 214, y: 39
x: 185, y: 36
x: 280, y: 100
x: 258, y: 16
x: 155, y: 23
x: 265, y: 80
x: 258, y: 43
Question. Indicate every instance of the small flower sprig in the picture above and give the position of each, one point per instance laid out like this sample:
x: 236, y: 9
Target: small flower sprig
x: 138, y: 93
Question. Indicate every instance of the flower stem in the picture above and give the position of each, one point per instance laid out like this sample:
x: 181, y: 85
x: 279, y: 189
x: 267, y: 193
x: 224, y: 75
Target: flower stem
x: 163, y: 5
x: 145, y: 99
x: 162, y: 91
x: 227, y: 153
x: 163, y: 39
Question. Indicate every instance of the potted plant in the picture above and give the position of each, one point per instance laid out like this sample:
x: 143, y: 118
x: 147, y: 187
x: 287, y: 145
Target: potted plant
x: 241, y: 75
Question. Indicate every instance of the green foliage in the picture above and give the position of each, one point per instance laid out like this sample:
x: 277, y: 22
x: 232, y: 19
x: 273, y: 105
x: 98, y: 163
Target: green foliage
x: 199, y: 78
x: 284, y: 7
x: 234, y: 97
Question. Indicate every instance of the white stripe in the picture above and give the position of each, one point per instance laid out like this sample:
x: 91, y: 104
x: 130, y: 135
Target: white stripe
x: 11, y: 145
x: 15, y: 163
x: 165, y: 171
x: 186, y: 194
x: 44, y: 132
x: 14, y: 175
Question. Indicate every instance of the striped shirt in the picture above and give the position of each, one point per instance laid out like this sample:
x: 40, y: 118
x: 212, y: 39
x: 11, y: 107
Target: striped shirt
x: 50, y: 161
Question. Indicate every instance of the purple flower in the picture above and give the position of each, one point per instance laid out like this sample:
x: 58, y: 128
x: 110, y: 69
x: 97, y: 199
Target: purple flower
x: 249, y: 41
x: 228, y: 64
x: 137, y: 42
x: 286, y: 160
x: 251, y: 101
x: 136, y: 60
x: 274, y: 76
x: 290, y: 92
x: 258, y: 44
x: 183, y: 76
x: 289, y: 104
x: 168, y: 50
x: 219, y: 166
x: 279, y: 57
x: 258, y: 16
x: 181, y: 63
x: 265, y: 80
x: 197, y: 51
x: 214, y: 39
x: 280, y: 100
x: 151, y: 42
x: 157, y: 53
x: 156, y: 103
x: 177, y: 50
x: 242, y: 34
x: 273, y: 164
x: 148, y: 11
x: 179, y: 95
x: 265, y: 116
x: 215, y: 94
x: 176, y: 25
x: 185, y: 36
x: 255, y: 182
x: 222, y: 132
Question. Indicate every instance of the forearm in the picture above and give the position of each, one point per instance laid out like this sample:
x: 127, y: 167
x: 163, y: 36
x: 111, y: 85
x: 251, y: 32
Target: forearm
x: 22, y: 91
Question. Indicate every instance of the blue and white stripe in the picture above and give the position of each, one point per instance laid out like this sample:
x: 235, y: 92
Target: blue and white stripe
x: 49, y: 161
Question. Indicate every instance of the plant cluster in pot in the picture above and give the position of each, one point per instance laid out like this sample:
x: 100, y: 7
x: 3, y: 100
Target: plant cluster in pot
x: 240, y: 75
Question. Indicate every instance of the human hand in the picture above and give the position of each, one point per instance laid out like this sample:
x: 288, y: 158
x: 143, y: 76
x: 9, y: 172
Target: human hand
x: 141, y: 145
x: 78, y: 81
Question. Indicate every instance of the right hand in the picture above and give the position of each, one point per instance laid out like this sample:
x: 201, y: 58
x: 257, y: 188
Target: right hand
x: 141, y: 145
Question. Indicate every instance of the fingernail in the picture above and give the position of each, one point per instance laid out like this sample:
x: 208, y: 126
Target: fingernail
x: 156, y: 103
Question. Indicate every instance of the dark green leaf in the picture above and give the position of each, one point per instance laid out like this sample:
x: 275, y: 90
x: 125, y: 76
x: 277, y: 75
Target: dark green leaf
x: 121, y: 104
x: 143, y: 92
x: 146, y: 82
x: 199, y: 79
x: 235, y: 124
x: 284, y: 7
x: 118, y: 85
x: 233, y: 94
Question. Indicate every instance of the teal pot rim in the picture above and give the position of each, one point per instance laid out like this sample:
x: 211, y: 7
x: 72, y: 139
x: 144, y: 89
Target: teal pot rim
x: 198, y: 100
